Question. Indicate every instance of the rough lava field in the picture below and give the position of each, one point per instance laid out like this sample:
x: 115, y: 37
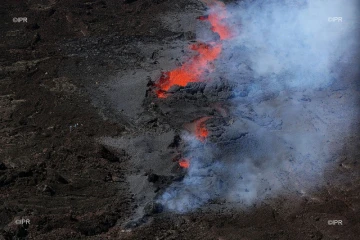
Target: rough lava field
x: 187, y: 119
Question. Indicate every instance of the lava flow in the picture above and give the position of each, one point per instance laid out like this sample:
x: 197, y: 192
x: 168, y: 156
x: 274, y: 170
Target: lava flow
x: 184, y: 163
x: 217, y: 18
x: 192, y: 70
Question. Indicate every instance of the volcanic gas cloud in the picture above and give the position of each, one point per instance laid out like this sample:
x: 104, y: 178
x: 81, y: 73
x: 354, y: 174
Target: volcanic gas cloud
x: 288, y: 66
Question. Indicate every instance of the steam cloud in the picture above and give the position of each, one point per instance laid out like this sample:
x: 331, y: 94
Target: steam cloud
x: 285, y: 59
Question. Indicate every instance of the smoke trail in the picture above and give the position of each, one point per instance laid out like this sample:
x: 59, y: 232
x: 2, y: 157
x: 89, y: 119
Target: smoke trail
x: 285, y: 58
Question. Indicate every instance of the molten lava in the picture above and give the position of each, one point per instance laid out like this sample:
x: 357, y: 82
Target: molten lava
x: 201, y: 132
x: 217, y: 18
x: 184, y: 163
x: 192, y: 70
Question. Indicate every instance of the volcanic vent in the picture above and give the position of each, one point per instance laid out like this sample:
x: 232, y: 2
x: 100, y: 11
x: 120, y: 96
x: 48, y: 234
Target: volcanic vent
x: 194, y: 119
x: 230, y: 116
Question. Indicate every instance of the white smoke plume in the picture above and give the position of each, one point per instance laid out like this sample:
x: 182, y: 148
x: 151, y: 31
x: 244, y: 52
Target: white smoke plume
x: 292, y: 44
x: 287, y: 60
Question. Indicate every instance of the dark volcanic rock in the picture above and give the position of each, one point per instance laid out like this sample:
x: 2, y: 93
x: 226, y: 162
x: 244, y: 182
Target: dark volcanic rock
x: 176, y: 142
x: 2, y: 166
x: 152, y: 208
x: 61, y: 179
x: 129, y: 1
x: 153, y: 177
x: 107, y: 154
x: 46, y: 189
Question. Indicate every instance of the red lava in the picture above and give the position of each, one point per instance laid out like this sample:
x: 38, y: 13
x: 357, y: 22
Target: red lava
x: 217, y: 18
x: 201, y: 131
x: 198, y: 128
x: 184, y: 163
x: 192, y: 70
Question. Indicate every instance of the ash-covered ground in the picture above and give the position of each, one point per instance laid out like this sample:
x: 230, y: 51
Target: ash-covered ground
x: 88, y: 151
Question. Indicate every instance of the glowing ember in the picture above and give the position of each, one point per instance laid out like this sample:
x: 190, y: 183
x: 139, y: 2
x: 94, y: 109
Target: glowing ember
x: 192, y: 70
x: 202, y: 18
x: 201, y: 132
x: 184, y: 163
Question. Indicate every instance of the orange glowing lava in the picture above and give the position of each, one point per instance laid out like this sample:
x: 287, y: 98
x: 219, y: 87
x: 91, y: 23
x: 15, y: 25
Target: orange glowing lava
x: 217, y: 18
x: 201, y: 132
x: 192, y: 70
x: 184, y: 163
